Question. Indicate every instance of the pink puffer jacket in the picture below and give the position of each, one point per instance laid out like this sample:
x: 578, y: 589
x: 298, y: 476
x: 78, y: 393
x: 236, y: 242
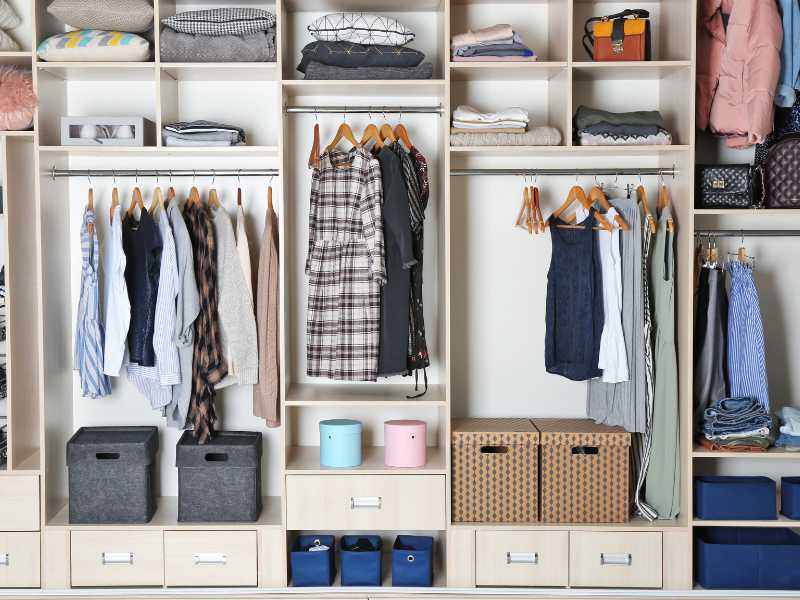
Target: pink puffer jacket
x: 738, y: 68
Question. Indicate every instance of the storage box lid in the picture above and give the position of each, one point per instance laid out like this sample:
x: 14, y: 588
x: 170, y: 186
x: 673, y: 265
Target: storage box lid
x: 225, y: 449
x: 584, y: 432
x: 340, y: 426
x: 126, y: 445
x: 405, y: 424
x: 471, y: 432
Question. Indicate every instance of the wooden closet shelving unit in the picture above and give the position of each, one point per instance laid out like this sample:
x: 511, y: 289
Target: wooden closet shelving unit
x: 484, y: 288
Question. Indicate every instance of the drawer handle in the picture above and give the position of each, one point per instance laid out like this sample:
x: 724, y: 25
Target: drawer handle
x: 117, y: 558
x: 365, y: 502
x: 623, y: 559
x: 5, y: 559
x: 522, y: 558
x: 210, y: 558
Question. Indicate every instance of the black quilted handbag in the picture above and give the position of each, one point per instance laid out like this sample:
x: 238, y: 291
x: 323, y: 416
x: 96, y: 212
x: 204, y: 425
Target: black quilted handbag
x: 781, y: 173
x: 724, y: 186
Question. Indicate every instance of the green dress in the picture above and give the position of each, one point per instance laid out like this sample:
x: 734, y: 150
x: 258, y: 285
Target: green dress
x: 662, y: 486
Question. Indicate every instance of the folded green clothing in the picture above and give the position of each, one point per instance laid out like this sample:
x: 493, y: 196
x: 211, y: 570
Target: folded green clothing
x: 347, y: 54
x: 586, y: 117
x: 316, y: 70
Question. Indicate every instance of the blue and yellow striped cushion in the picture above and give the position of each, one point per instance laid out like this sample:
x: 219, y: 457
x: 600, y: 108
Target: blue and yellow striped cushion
x: 93, y: 45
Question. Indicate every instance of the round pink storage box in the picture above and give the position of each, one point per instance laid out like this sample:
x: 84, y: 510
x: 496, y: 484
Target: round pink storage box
x: 404, y: 443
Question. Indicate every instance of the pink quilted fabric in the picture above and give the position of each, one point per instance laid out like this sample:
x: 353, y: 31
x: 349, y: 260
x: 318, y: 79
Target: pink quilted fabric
x: 17, y: 100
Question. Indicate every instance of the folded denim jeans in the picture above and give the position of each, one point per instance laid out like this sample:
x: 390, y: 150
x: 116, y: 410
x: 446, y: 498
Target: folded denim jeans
x: 788, y: 441
x: 735, y: 416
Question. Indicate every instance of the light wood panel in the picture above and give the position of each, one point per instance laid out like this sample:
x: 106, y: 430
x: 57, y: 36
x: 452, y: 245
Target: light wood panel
x: 19, y: 503
x: 117, y: 558
x: 55, y: 559
x: 210, y: 558
x: 615, y: 560
x: 522, y: 558
x: 20, y: 560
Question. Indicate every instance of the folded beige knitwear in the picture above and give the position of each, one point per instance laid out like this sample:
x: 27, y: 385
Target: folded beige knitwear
x: 487, y: 34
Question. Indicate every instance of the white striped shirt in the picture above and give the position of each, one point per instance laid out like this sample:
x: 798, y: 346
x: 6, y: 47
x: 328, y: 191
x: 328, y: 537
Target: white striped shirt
x: 118, y: 305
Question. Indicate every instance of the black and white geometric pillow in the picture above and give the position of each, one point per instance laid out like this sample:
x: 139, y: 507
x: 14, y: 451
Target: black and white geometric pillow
x: 360, y: 28
x: 222, y: 21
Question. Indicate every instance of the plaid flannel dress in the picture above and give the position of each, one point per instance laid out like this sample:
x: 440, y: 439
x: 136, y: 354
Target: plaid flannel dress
x: 345, y: 267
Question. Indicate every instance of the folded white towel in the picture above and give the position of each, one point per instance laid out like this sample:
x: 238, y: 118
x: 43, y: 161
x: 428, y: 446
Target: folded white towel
x: 464, y: 112
x: 488, y: 125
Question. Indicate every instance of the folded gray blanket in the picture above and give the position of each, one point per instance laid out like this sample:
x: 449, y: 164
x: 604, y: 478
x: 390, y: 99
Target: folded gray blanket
x: 316, y: 70
x: 586, y: 117
x: 186, y: 47
x: 173, y: 141
x: 496, y: 50
x: 347, y: 54
x: 536, y: 136
x: 219, y: 136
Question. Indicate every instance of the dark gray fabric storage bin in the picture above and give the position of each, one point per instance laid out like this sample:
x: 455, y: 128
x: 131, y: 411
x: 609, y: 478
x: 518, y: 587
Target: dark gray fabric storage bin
x: 220, y: 480
x: 111, y: 474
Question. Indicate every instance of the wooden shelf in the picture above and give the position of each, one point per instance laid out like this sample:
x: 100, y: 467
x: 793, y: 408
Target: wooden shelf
x: 256, y: 71
x: 166, y: 517
x: 771, y: 454
x: 628, y: 70
x: 100, y: 71
x: 748, y: 212
x: 161, y: 150
x: 360, y: 6
x: 21, y: 134
x: 781, y: 521
x: 304, y: 460
x: 368, y: 394
x: 394, y: 88
x: 570, y: 150
x: 635, y: 524
x: 510, y: 71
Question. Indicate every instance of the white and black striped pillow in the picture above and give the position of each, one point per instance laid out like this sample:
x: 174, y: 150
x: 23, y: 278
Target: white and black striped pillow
x: 222, y: 21
x: 360, y: 28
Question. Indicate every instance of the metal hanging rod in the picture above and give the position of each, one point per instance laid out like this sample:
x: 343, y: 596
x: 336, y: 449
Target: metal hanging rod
x: 363, y: 110
x: 564, y: 172
x: 54, y: 173
x: 715, y: 233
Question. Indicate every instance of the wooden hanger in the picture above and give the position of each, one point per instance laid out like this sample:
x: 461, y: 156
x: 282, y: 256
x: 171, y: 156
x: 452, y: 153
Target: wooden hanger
x: 238, y: 196
x: 344, y: 132
x: 538, y: 221
x: 401, y: 133
x: 269, y: 198
x: 641, y: 198
x: 313, y: 158
x: 577, y: 193
x: 664, y: 202
x: 90, y: 206
x: 524, y: 215
x: 194, y: 197
x: 157, y: 203
x: 136, y: 200
x: 213, y: 199
x: 114, y: 204
x: 387, y: 133
x: 170, y: 195
x: 371, y: 133
x: 596, y: 195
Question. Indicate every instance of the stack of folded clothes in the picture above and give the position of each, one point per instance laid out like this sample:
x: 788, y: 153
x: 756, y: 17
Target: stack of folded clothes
x: 508, y: 127
x: 498, y: 43
x: 737, y: 425
x: 362, y: 46
x: 789, y: 436
x: 595, y: 127
x: 202, y: 133
x: 219, y: 35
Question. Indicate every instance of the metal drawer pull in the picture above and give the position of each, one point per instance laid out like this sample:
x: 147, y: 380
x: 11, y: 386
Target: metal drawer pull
x: 522, y: 558
x: 117, y: 558
x: 623, y: 559
x: 365, y: 502
x: 5, y: 559
x: 210, y: 558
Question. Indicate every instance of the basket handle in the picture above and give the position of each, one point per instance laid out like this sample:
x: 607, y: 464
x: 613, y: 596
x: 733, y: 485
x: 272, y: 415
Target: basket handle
x: 494, y: 449
x: 107, y: 455
x: 216, y: 457
x: 586, y: 450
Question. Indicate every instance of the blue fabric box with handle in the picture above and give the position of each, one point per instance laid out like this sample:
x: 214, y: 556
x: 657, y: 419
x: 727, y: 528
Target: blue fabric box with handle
x: 359, y: 566
x: 790, y: 497
x: 747, y: 558
x: 412, y: 561
x: 312, y: 560
x: 727, y: 498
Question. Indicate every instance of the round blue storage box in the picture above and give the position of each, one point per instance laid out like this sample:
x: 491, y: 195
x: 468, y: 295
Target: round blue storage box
x: 340, y: 443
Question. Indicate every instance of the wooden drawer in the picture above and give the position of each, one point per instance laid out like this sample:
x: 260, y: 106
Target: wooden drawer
x: 211, y: 558
x: 365, y: 502
x: 117, y: 558
x: 522, y: 558
x: 19, y: 560
x: 19, y: 503
x: 620, y: 560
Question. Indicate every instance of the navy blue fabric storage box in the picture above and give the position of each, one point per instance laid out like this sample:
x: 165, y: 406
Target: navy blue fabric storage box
x: 720, y: 497
x: 412, y: 561
x: 360, y: 568
x: 315, y: 569
x: 747, y: 558
x: 790, y: 497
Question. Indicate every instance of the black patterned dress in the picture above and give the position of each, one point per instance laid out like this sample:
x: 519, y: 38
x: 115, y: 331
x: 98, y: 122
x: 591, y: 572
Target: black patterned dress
x: 418, y: 357
x: 345, y: 267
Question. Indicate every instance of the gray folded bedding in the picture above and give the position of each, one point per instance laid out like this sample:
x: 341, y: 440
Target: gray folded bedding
x: 186, y: 47
x: 347, y: 54
x: 316, y: 70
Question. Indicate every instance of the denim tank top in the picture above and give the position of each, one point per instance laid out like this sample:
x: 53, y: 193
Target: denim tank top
x: 574, y: 312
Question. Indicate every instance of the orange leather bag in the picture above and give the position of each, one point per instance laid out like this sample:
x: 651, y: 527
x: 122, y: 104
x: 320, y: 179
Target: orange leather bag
x: 618, y: 37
